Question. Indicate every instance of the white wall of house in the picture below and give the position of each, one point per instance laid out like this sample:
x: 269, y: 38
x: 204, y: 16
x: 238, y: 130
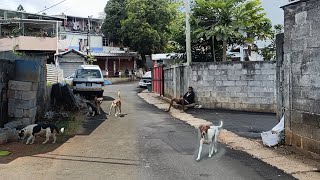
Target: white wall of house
x: 71, y: 41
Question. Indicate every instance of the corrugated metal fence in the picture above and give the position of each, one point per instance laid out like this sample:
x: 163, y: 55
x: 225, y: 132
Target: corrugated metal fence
x: 54, y: 74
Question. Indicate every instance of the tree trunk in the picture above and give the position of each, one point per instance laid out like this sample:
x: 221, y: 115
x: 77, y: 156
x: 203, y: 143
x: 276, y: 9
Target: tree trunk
x: 144, y: 61
x: 213, y: 50
x: 224, y: 50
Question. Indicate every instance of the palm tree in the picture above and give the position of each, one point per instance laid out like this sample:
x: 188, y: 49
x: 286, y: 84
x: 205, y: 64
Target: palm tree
x: 231, y: 21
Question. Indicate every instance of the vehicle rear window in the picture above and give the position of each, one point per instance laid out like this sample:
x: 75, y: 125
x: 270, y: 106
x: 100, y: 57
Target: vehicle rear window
x: 88, y: 73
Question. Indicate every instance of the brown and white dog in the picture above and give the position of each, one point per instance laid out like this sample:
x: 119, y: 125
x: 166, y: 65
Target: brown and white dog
x: 98, y: 102
x: 116, y: 105
x: 209, y: 135
x: 94, y: 108
x: 36, y: 129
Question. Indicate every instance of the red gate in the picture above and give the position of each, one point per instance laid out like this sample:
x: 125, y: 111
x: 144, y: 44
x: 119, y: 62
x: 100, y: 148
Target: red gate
x: 157, y: 79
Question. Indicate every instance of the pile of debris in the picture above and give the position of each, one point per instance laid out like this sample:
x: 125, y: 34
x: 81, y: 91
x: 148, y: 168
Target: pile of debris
x: 62, y: 98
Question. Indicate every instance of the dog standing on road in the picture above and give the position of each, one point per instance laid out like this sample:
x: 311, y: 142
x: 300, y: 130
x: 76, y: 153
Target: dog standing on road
x: 209, y: 135
x: 116, y: 105
x: 36, y: 129
x: 94, y: 108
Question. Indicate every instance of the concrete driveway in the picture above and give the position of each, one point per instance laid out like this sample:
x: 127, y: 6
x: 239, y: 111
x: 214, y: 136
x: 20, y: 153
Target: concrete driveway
x: 146, y: 143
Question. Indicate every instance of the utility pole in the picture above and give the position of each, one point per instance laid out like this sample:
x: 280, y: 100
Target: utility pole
x: 88, y: 33
x: 188, y: 32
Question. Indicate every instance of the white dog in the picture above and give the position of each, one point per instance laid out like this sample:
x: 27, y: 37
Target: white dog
x: 116, y: 105
x: 209, y: 135
x: 36, y: 129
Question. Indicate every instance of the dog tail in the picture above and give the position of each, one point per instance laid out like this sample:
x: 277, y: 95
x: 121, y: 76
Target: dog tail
x: 221, y: 124
x: 59, y: 131
x: 119, y: 95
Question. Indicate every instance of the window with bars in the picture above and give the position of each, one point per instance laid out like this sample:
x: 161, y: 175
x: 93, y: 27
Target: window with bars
x: 105, y: 42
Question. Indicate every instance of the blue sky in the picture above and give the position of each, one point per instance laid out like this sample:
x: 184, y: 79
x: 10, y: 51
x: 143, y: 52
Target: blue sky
x: 273, y: 10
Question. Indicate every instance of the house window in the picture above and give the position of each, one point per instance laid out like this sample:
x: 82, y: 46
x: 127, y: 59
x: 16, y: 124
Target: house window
x: 105, y: 42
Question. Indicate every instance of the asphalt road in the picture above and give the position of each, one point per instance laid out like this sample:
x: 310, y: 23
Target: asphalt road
x: 167, y: 147
x: 145, y: 144
x: 245, y: 124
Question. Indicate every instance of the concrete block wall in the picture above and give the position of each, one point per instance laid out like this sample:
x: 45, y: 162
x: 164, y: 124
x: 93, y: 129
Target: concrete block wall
x: 302, y: 70
x: 245, y: 86
x: 22, y: 104
x: 42, y: 97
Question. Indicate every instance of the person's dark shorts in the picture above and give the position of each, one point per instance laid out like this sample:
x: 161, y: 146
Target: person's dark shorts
x: 180, y: 102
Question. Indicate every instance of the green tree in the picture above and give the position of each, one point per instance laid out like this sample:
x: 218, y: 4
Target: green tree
x: 177, y: 37
x: 115, y: 12
x: 269, y: 52
x: 231, y: 21
x: 146, y: 29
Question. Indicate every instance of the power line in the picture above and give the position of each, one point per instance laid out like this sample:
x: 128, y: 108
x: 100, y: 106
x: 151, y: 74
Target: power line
x: 51, y: 6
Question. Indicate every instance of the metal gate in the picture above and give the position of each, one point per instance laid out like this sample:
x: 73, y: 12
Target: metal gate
x: 157, y: 79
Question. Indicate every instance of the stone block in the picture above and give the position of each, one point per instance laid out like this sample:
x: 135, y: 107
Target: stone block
x: 253, y: 107
x: 233, y: 89
x: 228, y: 83
x: 254, y: 83
x: 18, y: 113
x: 233, y: 77
x: 28, y: 95
x: 27, y: 121
x: 12, y: 134
x: 219, y: 83
x: 212, y: 67
x: 268, y: 71
x: 23, y: 104
x: 35, y: 86
x: 311, y: 119
x: 3, y: 138
x: 316, y: 134
x: 241, y: 83
x: 20, y: 85
x: 13, y: 124
x: 29, y: 113
x: 311, y: 145
x: 268, y: 83
x: 301, y: 17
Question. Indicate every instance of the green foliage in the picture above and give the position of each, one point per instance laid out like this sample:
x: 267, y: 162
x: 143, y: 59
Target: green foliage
x: 269, y: 52
x: 230, y: 21
x: 90, y: 59
x: 146, y: 29
x: 115, y: 12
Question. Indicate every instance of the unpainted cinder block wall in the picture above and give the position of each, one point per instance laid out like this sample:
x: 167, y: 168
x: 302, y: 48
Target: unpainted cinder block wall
x: 243, y: 86
x: 302, y: 74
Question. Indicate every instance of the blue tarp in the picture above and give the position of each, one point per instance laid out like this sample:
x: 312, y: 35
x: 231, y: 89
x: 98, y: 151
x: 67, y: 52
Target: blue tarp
x: 106, y: 82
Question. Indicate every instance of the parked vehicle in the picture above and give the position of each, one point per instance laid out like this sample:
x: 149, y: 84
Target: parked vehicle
x: 69, y: 79
x: 88, y: 80
x: 146, y: 79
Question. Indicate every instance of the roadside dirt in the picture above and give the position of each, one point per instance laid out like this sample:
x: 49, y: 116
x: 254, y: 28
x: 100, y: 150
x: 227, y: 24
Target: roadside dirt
x: 20, y: 149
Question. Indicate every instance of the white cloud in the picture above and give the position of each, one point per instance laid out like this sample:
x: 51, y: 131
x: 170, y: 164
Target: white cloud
x: 71, y: 7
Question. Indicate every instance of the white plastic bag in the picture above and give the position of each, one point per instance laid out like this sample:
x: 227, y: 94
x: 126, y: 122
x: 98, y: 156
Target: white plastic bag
x: 273, y: 137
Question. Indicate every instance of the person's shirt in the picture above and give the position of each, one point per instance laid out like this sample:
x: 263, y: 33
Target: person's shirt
x: 189, y: 97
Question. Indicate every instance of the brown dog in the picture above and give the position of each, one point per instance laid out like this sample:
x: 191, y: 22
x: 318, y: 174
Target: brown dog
x: 98, y: 102
x: 116, y: 105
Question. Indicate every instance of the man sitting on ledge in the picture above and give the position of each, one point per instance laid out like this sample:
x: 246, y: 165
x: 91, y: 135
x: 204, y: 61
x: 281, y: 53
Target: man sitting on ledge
x: 187, y: 99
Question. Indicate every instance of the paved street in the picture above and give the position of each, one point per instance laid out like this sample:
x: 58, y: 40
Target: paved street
x: 146, y: 143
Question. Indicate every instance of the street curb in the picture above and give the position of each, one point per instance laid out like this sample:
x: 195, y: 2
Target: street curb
x: 288, y: 163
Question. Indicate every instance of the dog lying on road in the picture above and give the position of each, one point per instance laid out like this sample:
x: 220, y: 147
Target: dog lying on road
x: 116, y: 105
x: 209, y: 135
x: 36, y: 129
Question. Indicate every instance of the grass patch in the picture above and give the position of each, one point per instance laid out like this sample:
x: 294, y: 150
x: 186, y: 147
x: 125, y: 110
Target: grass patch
x: 72, y: 124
